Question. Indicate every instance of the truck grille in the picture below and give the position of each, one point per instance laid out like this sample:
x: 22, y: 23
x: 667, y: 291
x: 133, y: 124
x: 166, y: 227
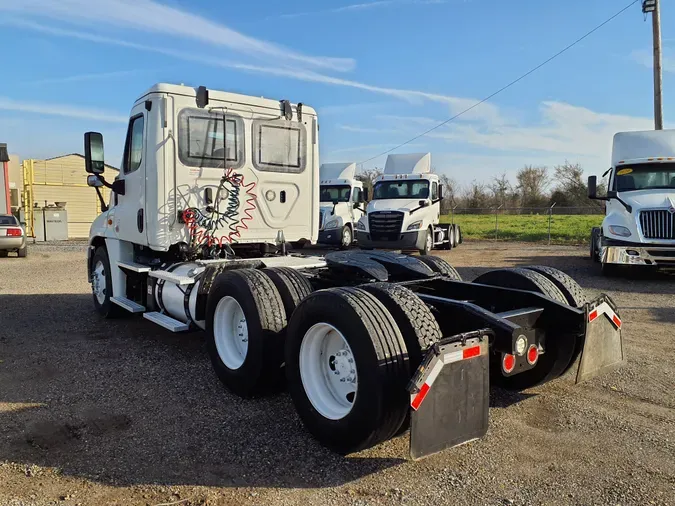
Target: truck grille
x: 385, y: 225
x: 658, y: 224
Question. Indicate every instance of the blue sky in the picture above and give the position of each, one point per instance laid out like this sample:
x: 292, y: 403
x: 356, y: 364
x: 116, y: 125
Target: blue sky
x: 378, y: 72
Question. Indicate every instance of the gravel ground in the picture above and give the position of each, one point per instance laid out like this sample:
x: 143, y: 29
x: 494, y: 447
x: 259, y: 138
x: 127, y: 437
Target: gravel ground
x: 123, y: 412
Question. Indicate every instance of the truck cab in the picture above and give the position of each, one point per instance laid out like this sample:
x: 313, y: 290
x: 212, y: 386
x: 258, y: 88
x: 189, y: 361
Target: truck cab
x: 639, y: 225
x: 405, y: 209
x: 341, y: 203
x: 240, y: 171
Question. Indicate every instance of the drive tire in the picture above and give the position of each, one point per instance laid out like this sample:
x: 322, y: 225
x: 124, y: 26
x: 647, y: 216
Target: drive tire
x: 571, y: 290
x: 459, y: 234
x: 261, y: 370
x: 451, y: 239
x: 381, y: 400
x: 560, y: 350
x: 107, y: 308
x: 417, y: 324
x: 455, y: 229
x: 440, y: 266
x: 292, y: 287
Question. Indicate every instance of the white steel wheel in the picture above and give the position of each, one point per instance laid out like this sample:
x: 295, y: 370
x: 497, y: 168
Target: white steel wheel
x: 98, y: 282
x: 230, y: 332
x: 347, y: 238
x: 328, y: 371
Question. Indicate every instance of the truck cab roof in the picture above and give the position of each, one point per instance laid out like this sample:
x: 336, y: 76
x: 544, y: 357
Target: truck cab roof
x: 218, y: 96
x: 643, y: 147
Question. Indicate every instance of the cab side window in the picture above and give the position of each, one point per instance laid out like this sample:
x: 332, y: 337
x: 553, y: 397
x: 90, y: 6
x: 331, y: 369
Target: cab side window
x: 434, y: 190
x: 356, y: 197
x: 133, y: 151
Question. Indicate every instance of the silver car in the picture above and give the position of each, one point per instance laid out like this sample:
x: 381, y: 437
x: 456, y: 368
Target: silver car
x: 12, y: 236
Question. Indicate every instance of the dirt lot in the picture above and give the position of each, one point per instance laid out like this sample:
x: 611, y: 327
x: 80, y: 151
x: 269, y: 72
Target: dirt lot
x: 123, y: 412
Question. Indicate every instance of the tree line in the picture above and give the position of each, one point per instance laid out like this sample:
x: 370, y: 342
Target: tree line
x: 534, y: 187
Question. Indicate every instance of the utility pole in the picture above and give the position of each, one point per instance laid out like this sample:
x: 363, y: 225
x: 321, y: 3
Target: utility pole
x: 653, y: 7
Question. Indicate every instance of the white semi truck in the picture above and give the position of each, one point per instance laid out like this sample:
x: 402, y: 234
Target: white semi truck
x: 342, y: 201
x: 212, y: 187
x: 638, y: 230
x: 405, y: 210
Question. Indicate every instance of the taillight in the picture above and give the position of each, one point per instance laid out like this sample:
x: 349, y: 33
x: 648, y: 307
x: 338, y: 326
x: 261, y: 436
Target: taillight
x: 508, y: 363
x: 14, y: 232
x: 532, y: 354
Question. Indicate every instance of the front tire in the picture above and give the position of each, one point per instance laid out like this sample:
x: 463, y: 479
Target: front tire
x: 346, y: 237
x: 347, y: 334
x: 428, y: 242
x: 101, y: 285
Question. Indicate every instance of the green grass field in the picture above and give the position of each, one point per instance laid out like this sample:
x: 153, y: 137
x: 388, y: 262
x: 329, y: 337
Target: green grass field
x: 565, y: 229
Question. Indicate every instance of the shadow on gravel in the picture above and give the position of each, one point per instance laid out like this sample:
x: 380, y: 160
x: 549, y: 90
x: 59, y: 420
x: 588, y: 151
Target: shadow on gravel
x: 126, y: 403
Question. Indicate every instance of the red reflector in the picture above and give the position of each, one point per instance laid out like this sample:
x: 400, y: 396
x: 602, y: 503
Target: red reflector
x: 593, y: 315
x: 420, y: 397
x: 508, y: 363
x: 616, y: 321
x: 471, y: 352
x: 532, y: 354
x: 14, y: 232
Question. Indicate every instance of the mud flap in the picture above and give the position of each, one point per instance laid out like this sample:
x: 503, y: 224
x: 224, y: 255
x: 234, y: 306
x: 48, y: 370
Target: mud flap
x: 450, y: 396
x: 603, y: 349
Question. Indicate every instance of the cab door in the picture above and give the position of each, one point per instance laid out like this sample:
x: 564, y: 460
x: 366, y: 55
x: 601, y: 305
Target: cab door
x: 130, y: 219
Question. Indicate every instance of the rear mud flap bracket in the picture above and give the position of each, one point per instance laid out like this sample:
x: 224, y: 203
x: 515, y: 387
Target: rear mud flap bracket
x: 449, y: 396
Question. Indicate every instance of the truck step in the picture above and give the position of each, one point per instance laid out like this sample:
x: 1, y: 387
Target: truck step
x: 128, y: 304
x: 171, y: 278
x: 166, y: 321
x: 132, y: 266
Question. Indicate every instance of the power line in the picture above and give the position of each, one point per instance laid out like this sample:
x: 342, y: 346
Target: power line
x: 503, y: 88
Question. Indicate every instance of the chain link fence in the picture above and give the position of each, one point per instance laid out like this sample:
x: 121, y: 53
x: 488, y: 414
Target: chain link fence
x: 553, y: 224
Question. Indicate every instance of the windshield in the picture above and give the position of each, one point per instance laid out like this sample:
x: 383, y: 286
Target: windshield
x: 644, y: 176
x: 8, y: 220
x: 414, y: 189
x: 335, y: 192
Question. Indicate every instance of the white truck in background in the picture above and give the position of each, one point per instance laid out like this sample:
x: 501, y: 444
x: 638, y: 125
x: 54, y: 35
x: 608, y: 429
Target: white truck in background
x: 211, y: 187
x: 341, y: 203
x: 639, y: 225
x: 405, y: 209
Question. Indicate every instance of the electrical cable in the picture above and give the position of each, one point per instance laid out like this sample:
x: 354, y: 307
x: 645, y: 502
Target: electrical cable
x: 503, y: 88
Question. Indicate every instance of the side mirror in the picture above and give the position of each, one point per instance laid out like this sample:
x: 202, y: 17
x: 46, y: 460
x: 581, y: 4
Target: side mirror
x: 423, y: 203
x: 119, y: 187
x: 365, y: 195
x: 94, y: 181
x: 335, y: 202
x: 93, y: 153
x: 356, y: 205
x: 440, y: 192
x: 592, y: 187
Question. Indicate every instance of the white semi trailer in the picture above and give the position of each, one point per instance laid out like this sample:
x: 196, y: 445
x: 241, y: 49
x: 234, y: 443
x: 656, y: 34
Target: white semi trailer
x: 212, y: 187
x: 405, y: 210
x: 639, y: 227
x: 342, y: 201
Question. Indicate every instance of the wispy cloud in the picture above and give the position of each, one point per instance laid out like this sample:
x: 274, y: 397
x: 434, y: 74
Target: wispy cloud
x: 88, y: 77
x: 485, y: 111
x: 68, y: 111
x: 646, y: 58
x: 359, y: 7
x: 153, y: 17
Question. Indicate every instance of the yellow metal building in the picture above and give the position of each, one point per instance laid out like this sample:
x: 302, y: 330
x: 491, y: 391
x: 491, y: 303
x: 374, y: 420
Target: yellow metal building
x: 61, y: 180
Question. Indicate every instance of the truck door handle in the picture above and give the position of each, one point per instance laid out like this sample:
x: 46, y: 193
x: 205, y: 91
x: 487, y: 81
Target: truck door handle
x: 139, y: 220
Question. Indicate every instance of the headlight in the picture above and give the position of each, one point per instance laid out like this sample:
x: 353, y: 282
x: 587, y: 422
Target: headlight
x: 620, y: 231
x: 360, y: 225
x: 332, y: 224
x: 415, y: 226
